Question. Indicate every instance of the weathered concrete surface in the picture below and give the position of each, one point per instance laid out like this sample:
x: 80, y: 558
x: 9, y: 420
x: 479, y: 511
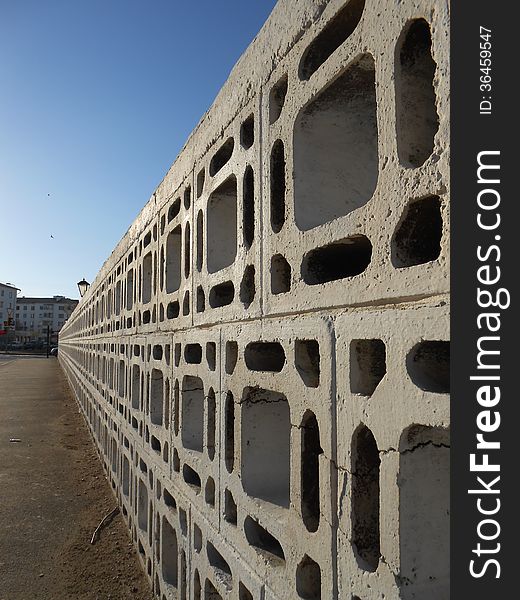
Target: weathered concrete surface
x: 263, y: 360
x: 53, y: 494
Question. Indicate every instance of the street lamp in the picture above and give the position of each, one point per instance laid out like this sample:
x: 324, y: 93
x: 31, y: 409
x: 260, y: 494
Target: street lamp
x: 83, y: 286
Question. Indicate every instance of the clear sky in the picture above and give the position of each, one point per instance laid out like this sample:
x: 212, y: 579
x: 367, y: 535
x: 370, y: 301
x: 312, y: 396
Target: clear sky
x: 97, y: 98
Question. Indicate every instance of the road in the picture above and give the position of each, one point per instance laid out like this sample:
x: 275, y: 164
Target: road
x: 53, y: 494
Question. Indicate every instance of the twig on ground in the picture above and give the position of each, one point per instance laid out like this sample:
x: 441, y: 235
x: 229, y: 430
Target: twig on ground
x: 104, y: 521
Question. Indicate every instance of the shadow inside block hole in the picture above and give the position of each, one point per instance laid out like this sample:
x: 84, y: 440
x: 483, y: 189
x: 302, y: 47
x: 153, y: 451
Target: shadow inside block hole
x: 173, y: 310
x: 417, y: 120
x: 277, y: 99
x: 230, y: 508
x: 367, y: 366
x: 265, y: 445
x: 173, y: 260
x: 218, y: 562
x: 192, y: 413
x: 243, y: 592
x: 428, y: 365
x: 201, y: 299
x: 222, y: 294
x: 229, y: 433
x: 210, y: 431
x: 221, y: 156
x: 247, y: 132
x: 365, y: 499
x: 277, y: 186
x: 307, y: 361
x: 210, y: 592
x: 197, y: 588
x: 417, y: 239
x: 280, y: 275
x: 174, y: 209
x: 264, y: 542
x: 169, y: 552
x: 211, y: 353
x: 197, y: 538
x: 335, y: 148
x: 221, y: 246
x: 156, y: 397
x: 308, y: 579
x: 192, y: 478
x: 310, y: 471
x: 337, y: 31
x: 264, y: 356
x: 247, y: 286
x: 345, y: 258
x: 193, y: 354
x: 209, y: 492
x: 424, y: 513
x: 231, y: 356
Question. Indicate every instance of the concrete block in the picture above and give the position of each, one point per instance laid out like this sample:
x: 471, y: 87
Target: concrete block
x: 263, y: 359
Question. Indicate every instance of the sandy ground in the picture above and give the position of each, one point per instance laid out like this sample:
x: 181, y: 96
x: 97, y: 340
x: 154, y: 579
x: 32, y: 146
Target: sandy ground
x: 53, y: 494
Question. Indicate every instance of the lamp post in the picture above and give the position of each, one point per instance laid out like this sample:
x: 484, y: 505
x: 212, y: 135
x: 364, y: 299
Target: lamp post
x: 83, y: 286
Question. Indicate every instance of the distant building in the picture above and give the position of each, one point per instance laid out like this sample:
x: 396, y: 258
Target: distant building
x: 8, y: 295
x: 35, y: 315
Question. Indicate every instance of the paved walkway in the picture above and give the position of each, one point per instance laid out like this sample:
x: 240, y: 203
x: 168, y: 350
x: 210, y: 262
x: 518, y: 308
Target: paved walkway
x: 53, y: 494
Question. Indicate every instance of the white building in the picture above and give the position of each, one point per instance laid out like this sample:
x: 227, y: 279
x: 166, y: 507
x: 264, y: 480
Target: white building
x: 35, y: 315
x: 8, y: 295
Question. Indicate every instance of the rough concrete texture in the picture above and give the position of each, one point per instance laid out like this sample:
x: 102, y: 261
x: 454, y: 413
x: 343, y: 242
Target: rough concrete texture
x: 264, y: 358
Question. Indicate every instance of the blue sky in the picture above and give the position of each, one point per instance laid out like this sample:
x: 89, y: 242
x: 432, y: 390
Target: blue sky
x: 97, y: 99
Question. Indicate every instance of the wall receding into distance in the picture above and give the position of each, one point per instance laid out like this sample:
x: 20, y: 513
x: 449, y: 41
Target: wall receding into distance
x: 263, y: 360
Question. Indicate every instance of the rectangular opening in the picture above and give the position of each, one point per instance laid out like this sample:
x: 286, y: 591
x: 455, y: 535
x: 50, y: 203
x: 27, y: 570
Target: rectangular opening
x: 192, y: 429
x: 129, y: 289
x: 264, y: 356
x: 264, y: 542
x: 333, y: 35
x: 367, y: 365
x: 345, y: 258
x: 173, y: 260
x: 169, y: 553
x: 136, y: 379
x: 248, y: 211
x: 307, y: 361
x: 417, y: 119
x: 147, y: 278
x: 221, y: 156
x: 142, y: 506
x: 221, y: 245
x: 126, y: 476
x: 221, y: 294
x: 193, y: 354
x: 335, y: 148
x: 156, y: 397
x: 277, y: 166
x: 424, y: 512
x: 265, y: 445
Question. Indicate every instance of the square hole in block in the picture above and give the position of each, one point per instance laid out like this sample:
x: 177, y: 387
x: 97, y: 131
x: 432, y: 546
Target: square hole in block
x: 156, y: 397
x: 230, y: 508
x: 307, y: 361
x: 222, y: 226
x: 247, y: 132
x: 192, y: 429
x: 367, y: 365
x: 265, y: 445
x: 417, y: 239
x: 335, y: 148
x: 169, y: 553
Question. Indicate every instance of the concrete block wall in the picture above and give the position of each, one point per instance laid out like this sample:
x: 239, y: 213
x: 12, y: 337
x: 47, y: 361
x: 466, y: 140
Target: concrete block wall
x: 263, y: 360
